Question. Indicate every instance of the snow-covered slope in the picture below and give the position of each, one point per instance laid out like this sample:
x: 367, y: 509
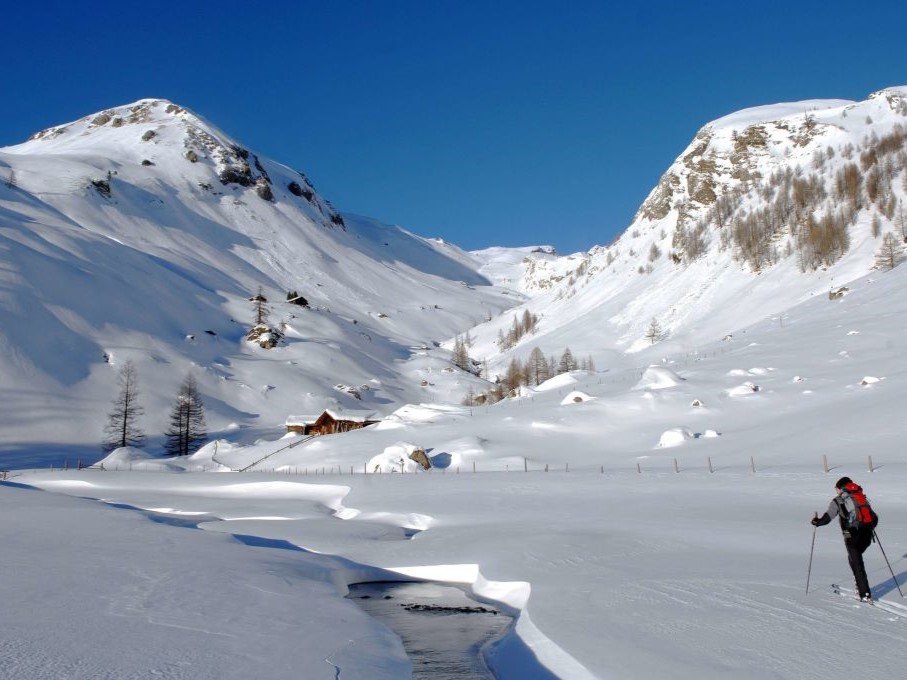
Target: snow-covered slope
x: 141, y: 233
x: 765, y: 208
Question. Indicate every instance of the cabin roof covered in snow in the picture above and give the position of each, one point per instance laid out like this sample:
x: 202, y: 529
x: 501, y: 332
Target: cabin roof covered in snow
x: 355, y: 416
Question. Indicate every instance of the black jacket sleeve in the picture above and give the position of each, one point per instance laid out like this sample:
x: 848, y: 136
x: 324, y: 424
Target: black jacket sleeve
x: 821, y: 521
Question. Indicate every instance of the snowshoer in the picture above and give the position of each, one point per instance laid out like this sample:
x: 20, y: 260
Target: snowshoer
x: 858, y: 521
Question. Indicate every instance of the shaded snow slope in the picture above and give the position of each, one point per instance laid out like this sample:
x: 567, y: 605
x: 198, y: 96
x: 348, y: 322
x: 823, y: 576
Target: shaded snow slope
x: 141, y: 232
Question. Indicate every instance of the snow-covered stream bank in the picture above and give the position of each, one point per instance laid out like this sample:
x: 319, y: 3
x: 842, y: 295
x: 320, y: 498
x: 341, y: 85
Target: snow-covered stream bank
x: 614, y: 575
x: 443, y: 632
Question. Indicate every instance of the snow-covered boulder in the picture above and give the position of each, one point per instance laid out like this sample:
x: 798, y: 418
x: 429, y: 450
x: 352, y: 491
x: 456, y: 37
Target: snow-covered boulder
x: 743, y: 390
x: 674, y: 437
x: 576, y: 397
x: 658, y: 378
x: 396, y: 458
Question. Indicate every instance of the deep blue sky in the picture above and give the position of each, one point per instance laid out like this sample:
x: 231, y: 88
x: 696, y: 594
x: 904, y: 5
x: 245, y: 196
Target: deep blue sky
x: 484, y: 123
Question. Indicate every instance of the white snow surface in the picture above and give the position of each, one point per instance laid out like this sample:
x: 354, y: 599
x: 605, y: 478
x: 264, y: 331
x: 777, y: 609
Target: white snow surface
x: 613, y: 573
x: 569, y: 514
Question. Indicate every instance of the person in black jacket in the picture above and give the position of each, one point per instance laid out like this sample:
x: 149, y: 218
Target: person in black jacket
x: 856, y: 538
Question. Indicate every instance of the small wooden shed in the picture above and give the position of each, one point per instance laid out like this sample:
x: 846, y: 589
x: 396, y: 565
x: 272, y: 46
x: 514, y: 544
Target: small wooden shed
x: 331, y: 421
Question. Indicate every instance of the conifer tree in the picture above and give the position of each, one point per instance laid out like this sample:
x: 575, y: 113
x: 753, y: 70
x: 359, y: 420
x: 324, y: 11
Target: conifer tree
x: 654, y: 332
x: 461, y: 354
x: 513, y: 378
x: 187, y: 430
x: 567, y: 362
x: 261, y: 308
x: 121, y: 428
x: 536, y: 370
x: 891, y: 254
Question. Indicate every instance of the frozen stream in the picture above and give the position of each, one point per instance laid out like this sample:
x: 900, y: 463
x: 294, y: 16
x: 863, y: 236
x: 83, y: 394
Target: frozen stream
x: 446, y: 635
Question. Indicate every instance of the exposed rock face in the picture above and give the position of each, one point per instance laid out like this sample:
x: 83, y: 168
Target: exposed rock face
x: 781, y: 181
x: 265, y: 336
x: 421, y: 458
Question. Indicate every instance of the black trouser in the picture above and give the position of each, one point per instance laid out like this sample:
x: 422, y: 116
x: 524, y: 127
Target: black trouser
x: 856, y: 545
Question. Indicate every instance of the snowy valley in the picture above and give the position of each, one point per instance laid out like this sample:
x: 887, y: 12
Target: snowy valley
x: 642, y: 513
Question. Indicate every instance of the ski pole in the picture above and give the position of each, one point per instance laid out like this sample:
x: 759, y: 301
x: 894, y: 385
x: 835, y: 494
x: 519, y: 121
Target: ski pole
x: 876, y: 536
x: 809, y: 570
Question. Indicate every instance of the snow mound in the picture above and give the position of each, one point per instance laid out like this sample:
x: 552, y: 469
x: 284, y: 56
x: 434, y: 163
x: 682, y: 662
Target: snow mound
x: 557, y: 382
x: 576, y: 397
x: 658, y: 378
x: 869, y: 380
x: 128, y: 457
x: 674, y: 437
x: 395, y: 458
x: 426, y: 413
x: 743, y: 390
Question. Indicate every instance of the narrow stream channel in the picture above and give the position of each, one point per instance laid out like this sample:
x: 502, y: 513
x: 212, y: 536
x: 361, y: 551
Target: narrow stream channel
x: 444, y: 633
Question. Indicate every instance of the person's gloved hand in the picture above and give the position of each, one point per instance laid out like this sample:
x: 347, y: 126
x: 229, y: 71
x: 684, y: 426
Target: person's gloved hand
x: 814, y: 521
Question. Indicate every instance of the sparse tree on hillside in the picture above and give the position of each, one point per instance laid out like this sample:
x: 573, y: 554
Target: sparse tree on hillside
x: 536, y: 367
x: 654, y: 333
x: 567, y: 362
x: 901, y: 220
x: 654, y: 252
x: 11, y: 181
x: 121, y: 428
x: 514, y: 377
x: 876, y: 225
x: 461, y: 354
x: 261, y: 308
x: 891, y: 254
x: 187, y: 430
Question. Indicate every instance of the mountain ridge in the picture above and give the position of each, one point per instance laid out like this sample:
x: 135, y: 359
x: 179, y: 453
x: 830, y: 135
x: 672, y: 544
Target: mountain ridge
x: 141, y: 232
x: 749, y: 220
x: 111, y: 259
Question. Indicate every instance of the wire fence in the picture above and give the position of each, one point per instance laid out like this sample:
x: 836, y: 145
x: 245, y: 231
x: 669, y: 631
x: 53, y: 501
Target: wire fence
x: 406, y: 467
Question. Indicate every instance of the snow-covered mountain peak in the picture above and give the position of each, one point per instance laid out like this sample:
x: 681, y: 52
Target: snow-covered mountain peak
x: 142, y: 233
x: 142, y: 115
x: 765, y: 208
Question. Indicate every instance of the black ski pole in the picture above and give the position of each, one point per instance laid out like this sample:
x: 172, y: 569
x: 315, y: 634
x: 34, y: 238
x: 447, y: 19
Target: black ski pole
x: 809, y: 570
x: 876, y: 536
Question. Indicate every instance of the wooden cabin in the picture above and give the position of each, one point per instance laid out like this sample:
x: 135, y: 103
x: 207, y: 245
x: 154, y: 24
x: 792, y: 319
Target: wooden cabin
x: 331, y: 421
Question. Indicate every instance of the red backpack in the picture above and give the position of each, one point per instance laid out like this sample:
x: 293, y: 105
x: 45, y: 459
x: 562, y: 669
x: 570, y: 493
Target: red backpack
x: 856, y: 513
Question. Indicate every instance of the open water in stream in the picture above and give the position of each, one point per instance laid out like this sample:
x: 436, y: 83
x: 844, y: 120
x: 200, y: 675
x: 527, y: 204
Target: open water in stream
x: 443, y: 631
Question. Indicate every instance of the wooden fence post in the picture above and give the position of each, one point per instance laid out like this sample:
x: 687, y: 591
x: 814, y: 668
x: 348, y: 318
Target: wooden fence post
x: 525, y: 465
x: 753, y: 464
x: 676, y: 467
x: 710, y: 465
x: 638, y: 468
x: 825, y: 463
x: 869, y: 459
